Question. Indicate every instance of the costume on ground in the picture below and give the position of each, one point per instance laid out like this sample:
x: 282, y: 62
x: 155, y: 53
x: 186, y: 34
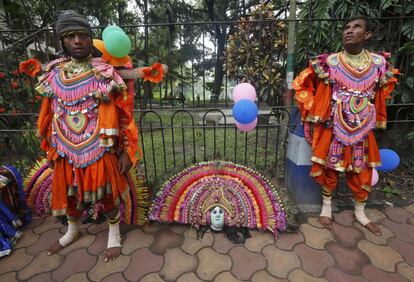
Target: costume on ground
x: 223, y: 196
x: 344, y: 96
x: 85, y: 120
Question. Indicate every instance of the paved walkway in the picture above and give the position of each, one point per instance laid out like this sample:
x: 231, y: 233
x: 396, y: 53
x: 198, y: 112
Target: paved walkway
x: 172, y: 253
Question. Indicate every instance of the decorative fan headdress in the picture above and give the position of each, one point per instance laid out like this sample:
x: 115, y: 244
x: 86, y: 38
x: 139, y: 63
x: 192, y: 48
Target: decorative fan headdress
x: 38, y: 188
x: 248, y: 199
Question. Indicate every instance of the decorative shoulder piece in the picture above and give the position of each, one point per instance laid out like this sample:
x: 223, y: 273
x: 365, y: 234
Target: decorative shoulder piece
x: 377, y: 59
x: 320, y: 66
x: 332, y: 59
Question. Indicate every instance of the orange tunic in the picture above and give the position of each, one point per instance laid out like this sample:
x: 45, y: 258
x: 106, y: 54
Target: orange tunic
x: 344, y: 105
x: 85, y: 120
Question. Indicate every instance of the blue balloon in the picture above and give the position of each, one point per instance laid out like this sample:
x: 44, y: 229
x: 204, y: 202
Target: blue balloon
x: 245, y: 111
x: 389, y: 159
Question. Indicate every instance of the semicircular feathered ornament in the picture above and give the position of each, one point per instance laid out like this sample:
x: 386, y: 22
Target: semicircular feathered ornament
x: 248, y: 199
x: 38, y: 188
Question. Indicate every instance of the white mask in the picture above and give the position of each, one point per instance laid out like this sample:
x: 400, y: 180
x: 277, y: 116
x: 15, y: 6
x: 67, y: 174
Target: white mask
x: 217, y: 218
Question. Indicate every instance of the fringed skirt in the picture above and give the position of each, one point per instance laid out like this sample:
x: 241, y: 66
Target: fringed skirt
x: 99, y: 183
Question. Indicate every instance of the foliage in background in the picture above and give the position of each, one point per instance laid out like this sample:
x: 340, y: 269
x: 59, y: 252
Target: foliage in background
x: 255, y: 53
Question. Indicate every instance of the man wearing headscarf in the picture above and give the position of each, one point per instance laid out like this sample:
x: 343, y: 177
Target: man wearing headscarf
x: 88, y: 132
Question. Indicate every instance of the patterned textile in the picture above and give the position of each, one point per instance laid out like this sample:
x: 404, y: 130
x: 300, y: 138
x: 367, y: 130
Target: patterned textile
x: 248, y: 199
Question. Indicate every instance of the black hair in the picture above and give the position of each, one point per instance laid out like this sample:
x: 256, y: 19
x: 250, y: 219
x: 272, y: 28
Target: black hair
x: 368, y: 24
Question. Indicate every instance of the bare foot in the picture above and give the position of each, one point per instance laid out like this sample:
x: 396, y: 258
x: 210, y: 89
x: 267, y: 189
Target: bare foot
x: 374, y: 228
x: 326, y: 222
x: 57, y: 247
x: 112, y: 254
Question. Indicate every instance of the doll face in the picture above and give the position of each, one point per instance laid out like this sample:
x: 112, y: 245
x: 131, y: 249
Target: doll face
x: 217, y: 218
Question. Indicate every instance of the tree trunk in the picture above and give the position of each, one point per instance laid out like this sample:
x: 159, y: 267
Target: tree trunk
x: 220, y: 35
x: 218, y: 68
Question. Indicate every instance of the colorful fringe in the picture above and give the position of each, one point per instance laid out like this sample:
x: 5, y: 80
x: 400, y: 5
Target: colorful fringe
x: 247, y: 197
x: 134, y: 210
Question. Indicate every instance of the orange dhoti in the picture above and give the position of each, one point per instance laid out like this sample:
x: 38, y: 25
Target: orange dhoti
x: 100, y: 182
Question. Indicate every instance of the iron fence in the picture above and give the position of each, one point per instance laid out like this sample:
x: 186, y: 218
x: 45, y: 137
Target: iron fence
x: 180, y: 121
x: 195, y: 63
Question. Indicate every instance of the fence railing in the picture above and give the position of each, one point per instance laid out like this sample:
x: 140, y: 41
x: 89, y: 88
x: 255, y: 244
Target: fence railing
x: 198, y: 74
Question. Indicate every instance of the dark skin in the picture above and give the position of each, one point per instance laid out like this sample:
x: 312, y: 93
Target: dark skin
x: 78, y: 45
x: 354, y: 36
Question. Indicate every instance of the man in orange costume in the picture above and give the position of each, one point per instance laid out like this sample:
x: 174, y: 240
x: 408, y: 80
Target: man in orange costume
x: 88, y: 132
x: 343, y: 96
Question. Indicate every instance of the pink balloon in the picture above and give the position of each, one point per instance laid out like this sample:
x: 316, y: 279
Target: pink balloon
x: 244, y: 91
x: 374, y: 177
x: 247, y: 126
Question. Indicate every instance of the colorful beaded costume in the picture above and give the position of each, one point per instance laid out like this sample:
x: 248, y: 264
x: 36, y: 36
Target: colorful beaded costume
x: 345, y: 100
x: 247, y: 198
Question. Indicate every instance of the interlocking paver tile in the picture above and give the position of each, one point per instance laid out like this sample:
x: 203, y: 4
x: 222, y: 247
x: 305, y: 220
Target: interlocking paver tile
x: 41, y: 263
x: 406, y: 270
x: 9, y: 277
x: 263, y: 276
x: 211, y: 263
x: 279, y: 262
x: 80, y: 277
x: 99, y: 245
x: 36, y: 221
x: 176, y: 263
x: 287, y: 241
x: 17, y: 260
x: 50, y: 222
x: 153, y: 277
x: 221, y: 244
x: 404, y: 232
x: 246, y: 263
x: 335, y: 274
x: 316, y: 237
x: 258, y: 240
x: 398, y: 214
x: 178, y: 228
x: 84, y: 241
x: 226, y: 277
x: 152, y: 227
x: 143, y: 262
x: 314, y: 262
x: 298, y: 275
x: 75, y: 262
x: 28, y: 239
x: 189, y: 277
x: 44, y: 242
x: 379, y: 240
x: 382, y: 257
x: 375, y: 215
x: 97, y: 228
x: 44, y: 277
x: 374, y: 274
x: 314, y: 221
x: 410, y: 208
x: 347, y: 236
x: 165, y: 239
x: 406, y: 250
x: 115, y: 277
x: 134, y: 240
x: 191, y: 244
x: 349, y: 260
x: 103, y: 269
x: 344, y: 217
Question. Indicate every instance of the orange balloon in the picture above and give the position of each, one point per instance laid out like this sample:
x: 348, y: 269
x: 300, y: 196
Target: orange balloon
x: 120, y: 62
x: 99, y: 44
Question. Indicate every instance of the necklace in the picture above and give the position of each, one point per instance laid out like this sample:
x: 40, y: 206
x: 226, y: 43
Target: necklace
x: 358, y: 62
